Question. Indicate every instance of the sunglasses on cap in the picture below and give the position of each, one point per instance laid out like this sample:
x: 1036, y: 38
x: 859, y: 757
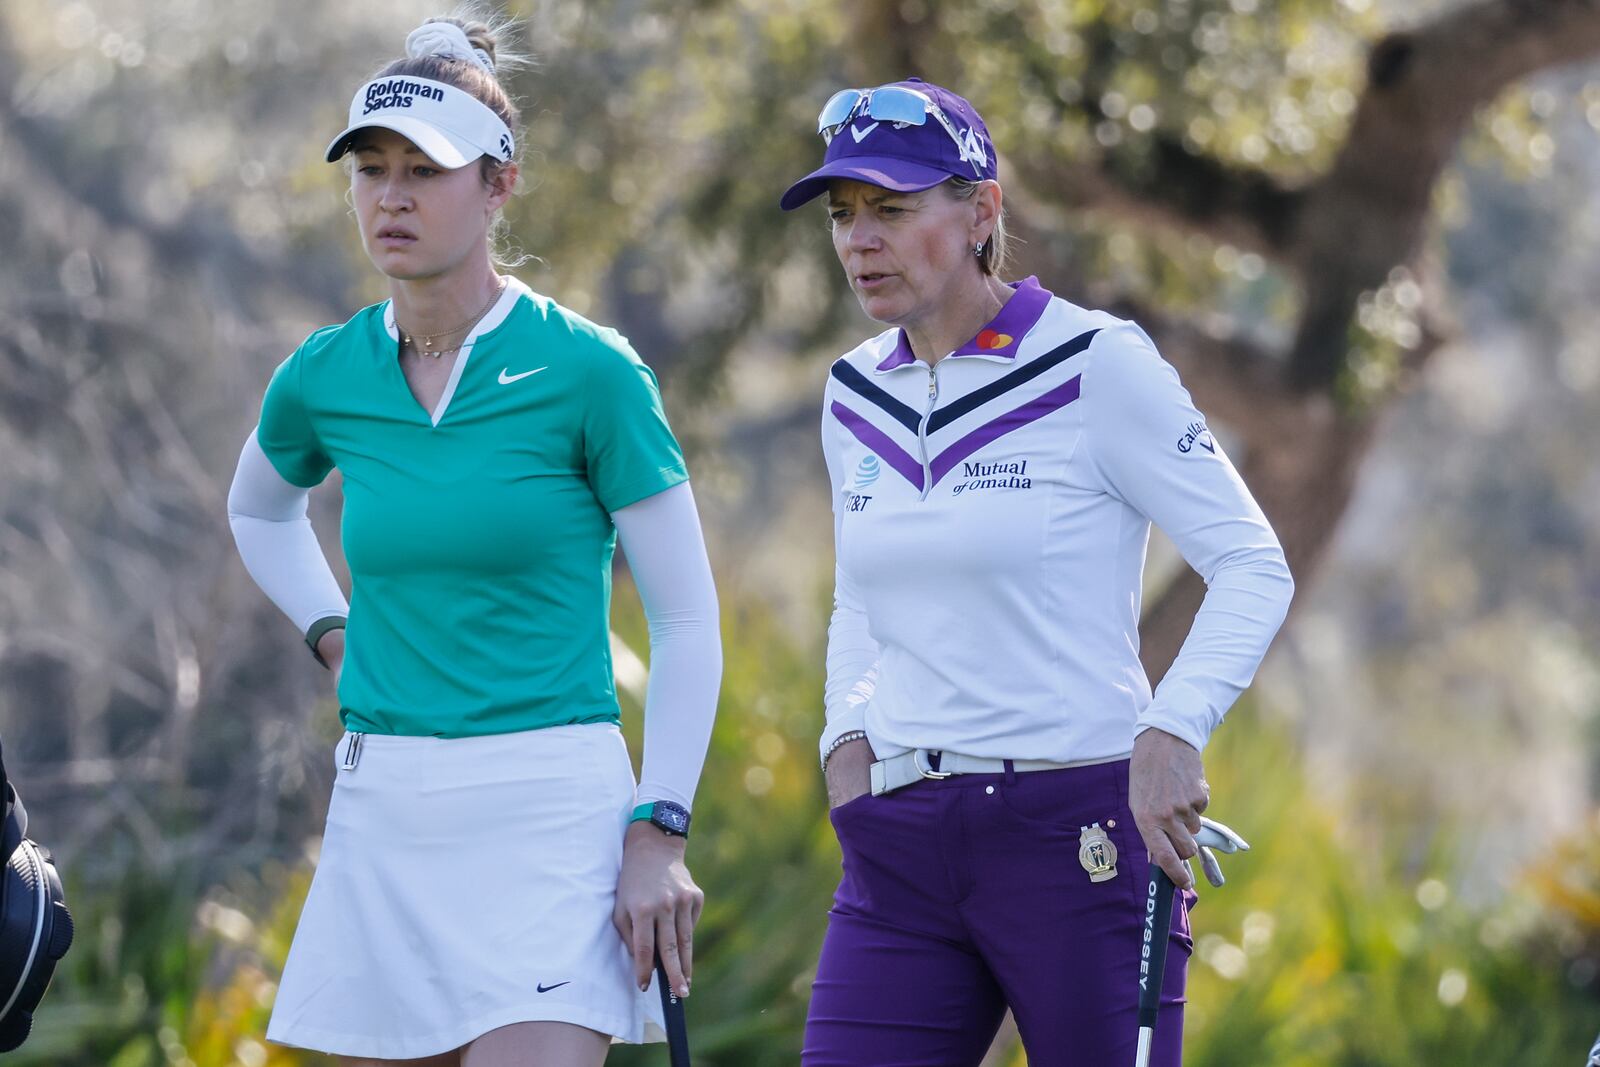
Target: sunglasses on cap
x: 890, y: 103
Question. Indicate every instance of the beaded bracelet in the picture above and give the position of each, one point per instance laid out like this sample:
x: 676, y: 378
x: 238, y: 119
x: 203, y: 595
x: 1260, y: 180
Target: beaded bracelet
x: 843, y: 739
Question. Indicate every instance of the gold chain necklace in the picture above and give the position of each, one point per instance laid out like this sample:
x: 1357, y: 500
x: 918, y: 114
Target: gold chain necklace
x: 427, y: 348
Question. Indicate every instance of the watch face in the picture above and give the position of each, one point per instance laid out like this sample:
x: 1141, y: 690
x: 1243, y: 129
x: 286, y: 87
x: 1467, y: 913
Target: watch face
x: 672, y: 818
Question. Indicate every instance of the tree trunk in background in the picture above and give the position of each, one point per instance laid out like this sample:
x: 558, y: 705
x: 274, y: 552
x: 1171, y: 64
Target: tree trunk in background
x: 1343, y: 237
x: 1304, y: 486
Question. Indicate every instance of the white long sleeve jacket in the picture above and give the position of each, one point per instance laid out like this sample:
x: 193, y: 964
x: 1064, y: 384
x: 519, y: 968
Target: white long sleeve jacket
x: 992, y: 514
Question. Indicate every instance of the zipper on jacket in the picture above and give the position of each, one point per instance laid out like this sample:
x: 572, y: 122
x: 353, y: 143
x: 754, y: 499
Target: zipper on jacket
x: 352, y: 751
x: 922, y: 430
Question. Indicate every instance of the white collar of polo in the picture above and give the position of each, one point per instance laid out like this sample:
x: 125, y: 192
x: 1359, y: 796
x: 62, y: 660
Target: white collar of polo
x: 514, y: 291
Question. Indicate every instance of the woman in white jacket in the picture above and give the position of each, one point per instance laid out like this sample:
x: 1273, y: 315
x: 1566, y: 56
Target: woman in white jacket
x: 999, y: 771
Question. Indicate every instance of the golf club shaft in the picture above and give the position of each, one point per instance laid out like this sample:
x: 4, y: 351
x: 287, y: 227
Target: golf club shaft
x: 672, y: 1009
x: 1153, y: 956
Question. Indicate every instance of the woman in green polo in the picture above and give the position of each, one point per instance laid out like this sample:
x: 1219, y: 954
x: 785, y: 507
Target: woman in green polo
x: 492, y: 885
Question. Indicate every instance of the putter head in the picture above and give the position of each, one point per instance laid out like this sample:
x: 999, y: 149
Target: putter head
x: 1217, y: 836
x: 1213, y: 838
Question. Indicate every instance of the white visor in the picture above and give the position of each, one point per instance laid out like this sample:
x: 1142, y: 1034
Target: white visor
x: 452, y: 127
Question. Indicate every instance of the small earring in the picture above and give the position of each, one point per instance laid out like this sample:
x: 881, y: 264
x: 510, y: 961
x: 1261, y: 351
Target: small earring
x: 977, y: 249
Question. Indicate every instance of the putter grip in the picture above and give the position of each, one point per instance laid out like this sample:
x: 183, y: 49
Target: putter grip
x: 1155, y: 928
x: 672, y: 1011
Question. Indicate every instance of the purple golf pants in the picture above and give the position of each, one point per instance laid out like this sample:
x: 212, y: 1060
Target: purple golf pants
x: 964, y: 896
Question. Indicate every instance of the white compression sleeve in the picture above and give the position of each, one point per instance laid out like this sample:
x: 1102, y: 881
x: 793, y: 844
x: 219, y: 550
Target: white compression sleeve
x: 666, y: 552
x: 276, y: 542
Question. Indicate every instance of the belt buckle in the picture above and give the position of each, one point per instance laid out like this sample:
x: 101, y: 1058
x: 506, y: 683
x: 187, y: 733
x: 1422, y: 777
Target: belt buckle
x: 926, y: 771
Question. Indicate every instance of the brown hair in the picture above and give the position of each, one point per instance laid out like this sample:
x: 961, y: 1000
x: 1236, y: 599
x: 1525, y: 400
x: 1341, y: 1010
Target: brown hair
x: 466, y: 75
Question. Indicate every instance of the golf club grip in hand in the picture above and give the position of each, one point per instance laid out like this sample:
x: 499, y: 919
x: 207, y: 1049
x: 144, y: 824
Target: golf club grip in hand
x: 672, y: 1010
x: 1156, y: 927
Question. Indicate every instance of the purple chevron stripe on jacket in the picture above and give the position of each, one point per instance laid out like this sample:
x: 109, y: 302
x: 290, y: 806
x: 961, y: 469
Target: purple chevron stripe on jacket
x: 1055, y: 399
x: 879, y: 443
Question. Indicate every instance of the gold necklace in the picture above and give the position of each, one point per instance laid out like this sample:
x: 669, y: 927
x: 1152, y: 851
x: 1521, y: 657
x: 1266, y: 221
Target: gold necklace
x: 427, y: 348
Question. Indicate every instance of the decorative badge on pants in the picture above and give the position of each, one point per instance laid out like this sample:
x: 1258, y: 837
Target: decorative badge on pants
x: 1097, y: 853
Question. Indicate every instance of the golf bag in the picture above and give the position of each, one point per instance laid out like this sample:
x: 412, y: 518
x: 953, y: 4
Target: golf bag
x: 35, y: 926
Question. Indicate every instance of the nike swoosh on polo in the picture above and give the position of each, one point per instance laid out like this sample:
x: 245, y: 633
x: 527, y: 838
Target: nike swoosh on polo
x: 507, y: 379
x: 861, y: 135
x: 546, y: 988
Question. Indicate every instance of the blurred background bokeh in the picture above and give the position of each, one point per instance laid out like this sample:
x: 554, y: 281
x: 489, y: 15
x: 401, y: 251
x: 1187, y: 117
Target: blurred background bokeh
x: 1366, y: 231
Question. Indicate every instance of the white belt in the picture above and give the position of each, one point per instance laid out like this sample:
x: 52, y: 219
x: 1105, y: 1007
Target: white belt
x: 897, y: 772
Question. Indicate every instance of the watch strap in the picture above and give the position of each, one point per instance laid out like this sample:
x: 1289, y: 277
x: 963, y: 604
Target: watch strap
x: 319, y: 629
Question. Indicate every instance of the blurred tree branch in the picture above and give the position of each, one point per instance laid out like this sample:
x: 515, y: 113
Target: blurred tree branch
x: 1342, y: 235
x: 1366, y: 217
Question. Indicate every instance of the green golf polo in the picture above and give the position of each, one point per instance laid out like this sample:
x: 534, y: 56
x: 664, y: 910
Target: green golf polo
x: 478, y: 536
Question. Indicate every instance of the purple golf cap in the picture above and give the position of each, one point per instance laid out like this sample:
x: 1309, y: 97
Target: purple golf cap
x: 907, y: 159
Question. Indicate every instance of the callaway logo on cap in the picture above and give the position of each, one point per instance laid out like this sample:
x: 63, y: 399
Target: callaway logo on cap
x: 452, y: 127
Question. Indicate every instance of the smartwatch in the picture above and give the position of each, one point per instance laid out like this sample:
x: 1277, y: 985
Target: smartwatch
x: 666, y: 816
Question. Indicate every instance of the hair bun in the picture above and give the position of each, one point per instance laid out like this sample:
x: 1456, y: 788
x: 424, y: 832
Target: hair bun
x: 448, y: 40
